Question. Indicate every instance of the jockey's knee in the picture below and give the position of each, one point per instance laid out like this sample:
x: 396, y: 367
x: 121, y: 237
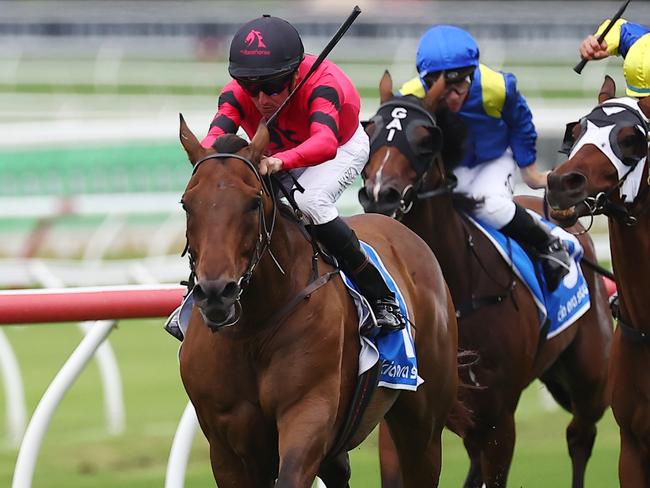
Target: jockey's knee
x: 496, y: 211
x: 316, y: 207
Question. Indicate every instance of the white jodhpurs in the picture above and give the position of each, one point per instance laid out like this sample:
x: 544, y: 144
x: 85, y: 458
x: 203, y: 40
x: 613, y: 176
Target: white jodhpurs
x: 491, y: 181
x: 325, y: 182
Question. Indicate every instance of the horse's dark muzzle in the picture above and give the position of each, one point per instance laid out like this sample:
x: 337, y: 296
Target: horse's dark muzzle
x: 387, y: 203
x: 216, y: 300
x: 567, y: 190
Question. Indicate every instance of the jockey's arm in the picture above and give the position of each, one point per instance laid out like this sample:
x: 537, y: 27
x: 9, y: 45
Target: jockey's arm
x: 591, y: 49
x: 617, y: 41
x: 229, y: 113
x: 533, y: 177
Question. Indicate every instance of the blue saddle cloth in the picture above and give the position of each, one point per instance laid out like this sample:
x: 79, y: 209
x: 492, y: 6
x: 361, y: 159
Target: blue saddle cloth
x: 396, y: 350
x: 569, y: 301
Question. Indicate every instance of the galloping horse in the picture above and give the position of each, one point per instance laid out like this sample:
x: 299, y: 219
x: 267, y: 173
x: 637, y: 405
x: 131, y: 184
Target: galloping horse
x: 270, y: 357
x: 498, y: 318
x: 607, y: 173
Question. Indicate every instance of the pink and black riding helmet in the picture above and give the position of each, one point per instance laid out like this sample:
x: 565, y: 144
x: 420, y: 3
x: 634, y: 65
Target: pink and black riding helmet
x: 265, y: 48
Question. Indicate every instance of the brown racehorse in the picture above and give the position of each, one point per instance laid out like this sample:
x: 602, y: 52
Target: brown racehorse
x: 271, y: 367
x: 497, y: 315
x: 589, y: 182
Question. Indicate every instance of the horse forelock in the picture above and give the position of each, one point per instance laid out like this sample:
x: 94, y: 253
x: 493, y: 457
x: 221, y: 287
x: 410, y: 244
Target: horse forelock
x: 229, y: 143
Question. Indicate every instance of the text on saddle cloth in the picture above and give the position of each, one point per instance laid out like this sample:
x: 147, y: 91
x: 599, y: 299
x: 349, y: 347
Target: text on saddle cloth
x: 569, y: 301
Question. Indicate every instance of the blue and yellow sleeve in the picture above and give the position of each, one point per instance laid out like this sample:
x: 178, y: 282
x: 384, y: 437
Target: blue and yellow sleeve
x: 519, y: 119
x: 622, y: 36
x: 412, y: 87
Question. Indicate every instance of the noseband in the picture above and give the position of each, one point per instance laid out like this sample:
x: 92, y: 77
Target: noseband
x: 265, y: 231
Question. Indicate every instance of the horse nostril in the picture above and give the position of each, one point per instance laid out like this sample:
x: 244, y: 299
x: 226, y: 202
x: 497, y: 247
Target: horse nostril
x: 390, y: 196
x: 364, y: 196
x: 573, y: 181
x: 231, y: 290
x: 198, y: 293
x: 216, y: 291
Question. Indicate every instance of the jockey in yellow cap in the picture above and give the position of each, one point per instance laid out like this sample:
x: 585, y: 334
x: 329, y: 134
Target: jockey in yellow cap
x: 632, y: 42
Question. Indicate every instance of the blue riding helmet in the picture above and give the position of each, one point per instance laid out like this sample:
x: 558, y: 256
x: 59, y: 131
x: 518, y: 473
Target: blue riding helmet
x: 443, y: 48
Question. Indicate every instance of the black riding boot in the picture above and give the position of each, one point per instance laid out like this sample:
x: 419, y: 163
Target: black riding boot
x: 540, y: 244
x: 342, y: 242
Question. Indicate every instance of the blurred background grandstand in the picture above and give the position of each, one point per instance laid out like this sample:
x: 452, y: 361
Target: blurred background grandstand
x: 90, y: 91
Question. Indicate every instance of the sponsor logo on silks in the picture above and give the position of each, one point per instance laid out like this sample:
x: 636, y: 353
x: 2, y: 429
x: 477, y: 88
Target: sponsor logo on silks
x: 255, y: 36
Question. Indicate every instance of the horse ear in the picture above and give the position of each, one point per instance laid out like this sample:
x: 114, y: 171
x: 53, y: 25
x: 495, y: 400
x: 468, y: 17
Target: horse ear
x: 259, y: 142
x: 608, y: 90
x: 434, y: 94
x: 385, y: 87
x: 190, y: 143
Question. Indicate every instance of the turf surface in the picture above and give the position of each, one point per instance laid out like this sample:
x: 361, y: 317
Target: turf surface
x: 77, y: 452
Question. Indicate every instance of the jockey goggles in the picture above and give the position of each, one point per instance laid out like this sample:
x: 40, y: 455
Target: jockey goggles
x: 269, y: 87
x: 458, y: 81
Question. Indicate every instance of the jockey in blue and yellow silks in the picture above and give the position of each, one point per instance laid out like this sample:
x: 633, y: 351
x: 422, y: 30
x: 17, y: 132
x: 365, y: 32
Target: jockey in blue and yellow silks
x: 632, y: 42
x: 500, y: 137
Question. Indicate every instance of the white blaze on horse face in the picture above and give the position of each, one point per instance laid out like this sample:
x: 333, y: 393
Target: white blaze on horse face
x: 377, y: 183
x: 395, y: 124
x: 600, y: 138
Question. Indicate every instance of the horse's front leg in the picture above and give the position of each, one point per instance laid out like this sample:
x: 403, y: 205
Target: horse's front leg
x: 304, y: 431
x: 633, y: 470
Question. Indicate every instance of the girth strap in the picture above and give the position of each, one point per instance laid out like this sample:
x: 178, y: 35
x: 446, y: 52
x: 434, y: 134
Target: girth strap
x: 366, y: 386
x: 627, y: 331
x: 632, y: 334
x: 468, y: 308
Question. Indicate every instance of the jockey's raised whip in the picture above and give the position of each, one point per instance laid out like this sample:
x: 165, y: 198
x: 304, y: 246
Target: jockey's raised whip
x: 578, y: 67
x: 330, y: 45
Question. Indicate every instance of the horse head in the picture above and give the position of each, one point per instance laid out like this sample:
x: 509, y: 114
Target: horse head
x: 229, y: 216
x: 404, y: 142
x: 607, y: 151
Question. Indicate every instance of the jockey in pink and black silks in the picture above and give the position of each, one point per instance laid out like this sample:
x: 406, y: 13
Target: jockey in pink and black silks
x: 317, y: 137
x: 323, y: 115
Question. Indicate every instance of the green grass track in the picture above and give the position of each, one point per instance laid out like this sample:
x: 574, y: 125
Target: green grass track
x: 77, y: 453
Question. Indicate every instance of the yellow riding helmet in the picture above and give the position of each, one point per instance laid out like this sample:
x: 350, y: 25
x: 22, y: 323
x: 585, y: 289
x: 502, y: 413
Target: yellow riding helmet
x: 636, y: 68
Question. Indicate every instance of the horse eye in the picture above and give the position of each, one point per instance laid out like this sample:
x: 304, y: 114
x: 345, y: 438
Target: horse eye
x: 629, y: 141
x: 183, y: 205
x: 255, y: 204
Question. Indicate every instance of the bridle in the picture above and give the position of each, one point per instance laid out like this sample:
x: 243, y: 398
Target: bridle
x: 412, y: 192
x: 601, y: 203
x: 263, y: 242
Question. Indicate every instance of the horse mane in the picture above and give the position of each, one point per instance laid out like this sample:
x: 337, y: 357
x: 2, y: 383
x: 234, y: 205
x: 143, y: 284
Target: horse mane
x: 465, y: 203
x: 229, y: 143
x: 454, y: 132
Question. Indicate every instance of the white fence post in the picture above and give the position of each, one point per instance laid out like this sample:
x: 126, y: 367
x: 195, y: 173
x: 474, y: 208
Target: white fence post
x: 14, y: 393
x: 181, y: 446
x: 109, y: 372
x: 29, y: 448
